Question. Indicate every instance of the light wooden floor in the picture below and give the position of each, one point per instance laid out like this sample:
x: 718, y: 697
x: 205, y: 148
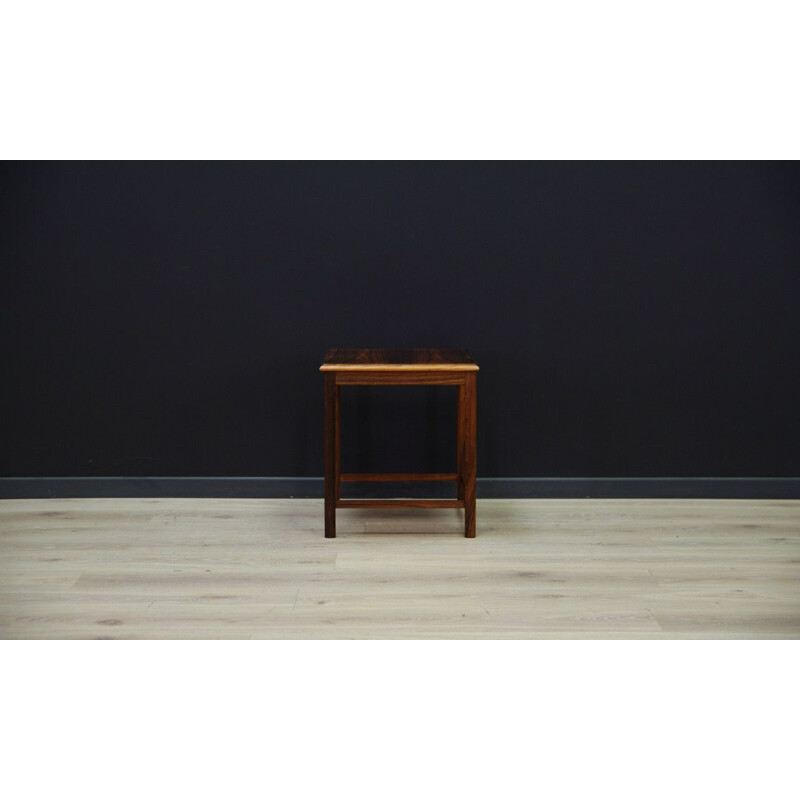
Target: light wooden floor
x: 208, y: 568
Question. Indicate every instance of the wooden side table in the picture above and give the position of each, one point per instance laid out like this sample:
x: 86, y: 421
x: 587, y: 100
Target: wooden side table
x: 429, y: 367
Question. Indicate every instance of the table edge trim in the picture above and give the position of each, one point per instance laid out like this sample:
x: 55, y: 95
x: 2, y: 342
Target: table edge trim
x: 399, y: 368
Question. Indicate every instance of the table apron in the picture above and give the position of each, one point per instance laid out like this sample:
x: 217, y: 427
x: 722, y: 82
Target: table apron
x: 397, y: 378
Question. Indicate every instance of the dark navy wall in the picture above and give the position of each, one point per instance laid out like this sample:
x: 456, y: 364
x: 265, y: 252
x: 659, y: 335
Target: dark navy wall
x: 630, y: 319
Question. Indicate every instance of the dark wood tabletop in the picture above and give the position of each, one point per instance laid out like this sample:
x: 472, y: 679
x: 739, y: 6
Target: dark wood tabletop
x: 370, y: 358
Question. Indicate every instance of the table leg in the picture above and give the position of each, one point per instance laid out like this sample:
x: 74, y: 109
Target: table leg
x: 338, y: 458
x: 460, y: 442
x: 331, y: 456
x: 468, y: 466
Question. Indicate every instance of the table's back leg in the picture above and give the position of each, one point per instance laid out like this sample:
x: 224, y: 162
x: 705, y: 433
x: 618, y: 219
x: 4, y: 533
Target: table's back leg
x: 460, y: 444
x: 467, y: 470
x: 331, y: 453
x: 338, y: 458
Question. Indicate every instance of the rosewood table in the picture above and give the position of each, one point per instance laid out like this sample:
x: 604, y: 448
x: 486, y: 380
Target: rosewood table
x: 371, y: 367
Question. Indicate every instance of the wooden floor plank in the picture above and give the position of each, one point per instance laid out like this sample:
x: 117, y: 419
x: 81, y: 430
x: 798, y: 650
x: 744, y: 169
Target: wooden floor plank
x: 185, y: 568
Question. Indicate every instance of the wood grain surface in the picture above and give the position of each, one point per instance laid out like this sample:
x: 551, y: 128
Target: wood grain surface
x: 368, y: 358
x: 244, y: 568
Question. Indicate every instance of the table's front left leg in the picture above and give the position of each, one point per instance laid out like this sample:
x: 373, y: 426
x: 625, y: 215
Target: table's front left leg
x: 331, y: 453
